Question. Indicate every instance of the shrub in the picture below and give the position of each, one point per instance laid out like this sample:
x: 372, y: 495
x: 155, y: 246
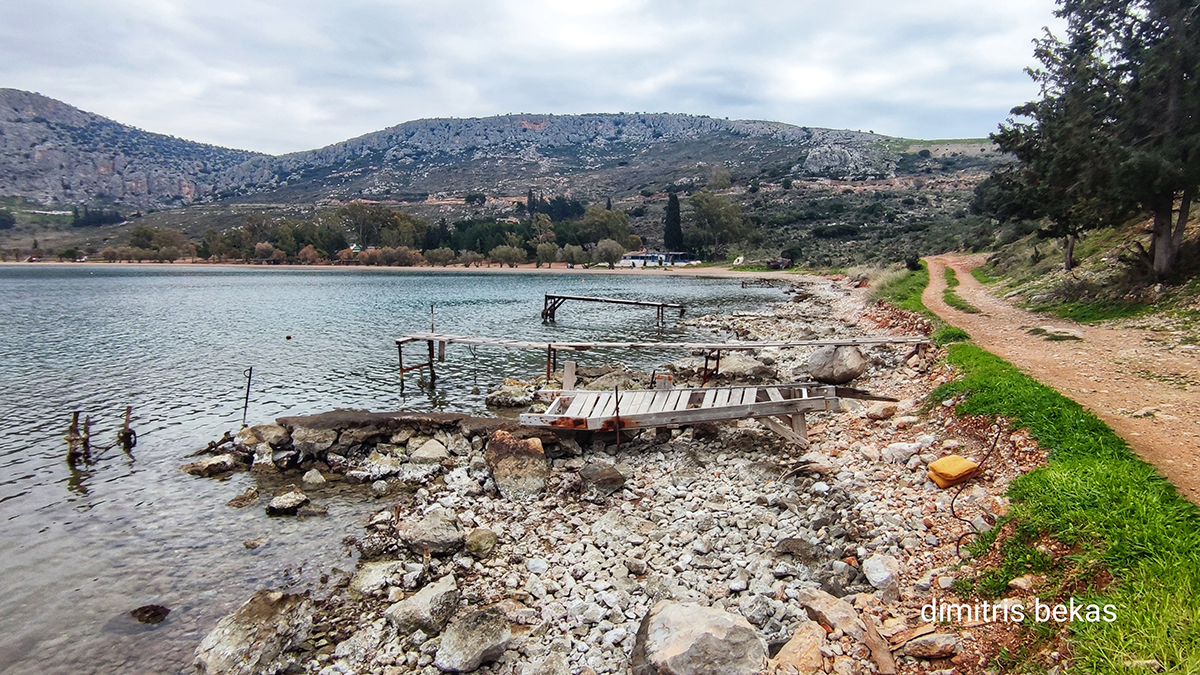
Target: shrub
x: 439, y: 257
x: 507, y: 255
x: 608, y: 251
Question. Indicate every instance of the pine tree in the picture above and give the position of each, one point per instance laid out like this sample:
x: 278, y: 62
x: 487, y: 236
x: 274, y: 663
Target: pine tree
x: 673, y: 231
x: 608, y: 204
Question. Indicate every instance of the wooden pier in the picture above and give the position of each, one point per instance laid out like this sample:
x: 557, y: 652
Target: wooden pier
x: 553, y: 302
x: 436, y: 344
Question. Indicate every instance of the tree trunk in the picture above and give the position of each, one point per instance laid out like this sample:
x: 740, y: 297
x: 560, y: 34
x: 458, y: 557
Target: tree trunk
x: 1069, y: 260
x: 1161, y: 249
x: 1185, y: 212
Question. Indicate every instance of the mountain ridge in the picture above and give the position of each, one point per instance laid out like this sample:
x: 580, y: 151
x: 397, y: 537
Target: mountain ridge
x: 52, y: 152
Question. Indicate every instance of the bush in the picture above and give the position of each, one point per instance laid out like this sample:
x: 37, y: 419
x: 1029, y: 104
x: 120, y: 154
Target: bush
x: 507, y: 255
x: 401, y: 256
x: 110, y: 254
x: 439, y: 257
x: 7, y: 219
x: 573, y: 255
x: 309, y: 255
x: 468, y: 258
x: 546, y: 253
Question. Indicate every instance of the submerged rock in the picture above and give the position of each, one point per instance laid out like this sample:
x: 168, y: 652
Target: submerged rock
x: 213, y: 466
x: 287, y: 503
x: 257, y: 637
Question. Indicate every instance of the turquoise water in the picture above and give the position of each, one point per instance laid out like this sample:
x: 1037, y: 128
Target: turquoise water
x: 82, y: 548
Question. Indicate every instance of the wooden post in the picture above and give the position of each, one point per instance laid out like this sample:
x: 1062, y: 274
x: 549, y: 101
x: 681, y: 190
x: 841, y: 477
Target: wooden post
x: 126, y: 436
x: 86, y: 440
x: 799, y: 425
x: 73, y: 438
x: 442, y: 351
x: 549, y: 360
x: 432, y: 376
x: 400, y: 356
x: 568, y: 376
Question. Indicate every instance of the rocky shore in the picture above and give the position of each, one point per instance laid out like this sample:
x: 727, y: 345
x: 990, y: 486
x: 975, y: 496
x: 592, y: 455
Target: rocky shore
x: 706, y: 549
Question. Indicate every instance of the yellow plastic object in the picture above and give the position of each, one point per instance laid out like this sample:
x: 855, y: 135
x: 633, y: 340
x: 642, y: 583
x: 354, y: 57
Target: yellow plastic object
x: 951, y: 470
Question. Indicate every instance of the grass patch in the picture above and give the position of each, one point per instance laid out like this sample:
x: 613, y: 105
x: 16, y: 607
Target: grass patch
x: 948, y: 334
x: 1101, y: 310
x: 904, y: 291
x: 953, y: 299
x: 981, y: 275
x: 1113, y: 510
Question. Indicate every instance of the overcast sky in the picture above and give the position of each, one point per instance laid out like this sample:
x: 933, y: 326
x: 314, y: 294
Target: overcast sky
x: 284, y: 76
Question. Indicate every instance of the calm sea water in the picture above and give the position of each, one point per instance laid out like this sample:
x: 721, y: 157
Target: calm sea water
x: 80, y: 549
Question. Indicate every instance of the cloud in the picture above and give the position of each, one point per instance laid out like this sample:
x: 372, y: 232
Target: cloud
x: 286, y: 76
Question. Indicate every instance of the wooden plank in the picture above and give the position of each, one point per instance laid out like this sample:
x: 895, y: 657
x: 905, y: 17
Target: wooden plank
x: 721, y: 399
x: 658, y: 400
x: 749, y: 394
x: 605, y: 408
x: 577, y: 405
x: 773, y: 394
x: 780, y: 429
x: 568, y: 376
x: 677, y: 400
x: 710, y: 396
x: 693, y: 415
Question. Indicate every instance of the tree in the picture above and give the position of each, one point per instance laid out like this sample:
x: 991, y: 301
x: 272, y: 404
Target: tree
x: 507, y: 255
x: 468, y: 258
x: 109, y: 254
x: 718, y: 178
x: 599, y: 223
x: 168, y: 238
x: 673, y: 231
x: 573, y: 255
x: 546, y: 253
x: 608, y: 251
x: 141, y: 237
x: 263, y: 251
x: 439, y: 257
x: 7, y: 219
x: 309, y: 255
x: 1140, y: 58
x: 1066, y: 155
x: 716, y: 223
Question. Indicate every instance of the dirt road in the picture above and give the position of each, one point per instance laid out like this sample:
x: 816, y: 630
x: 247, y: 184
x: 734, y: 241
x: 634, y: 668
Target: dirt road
x: 1115, y: 373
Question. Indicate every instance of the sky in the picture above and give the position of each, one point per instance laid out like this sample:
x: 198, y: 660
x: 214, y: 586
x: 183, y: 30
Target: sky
x: 280, y: 77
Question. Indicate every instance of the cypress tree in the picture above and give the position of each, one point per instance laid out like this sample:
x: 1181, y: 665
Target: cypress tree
x: 673, y: 232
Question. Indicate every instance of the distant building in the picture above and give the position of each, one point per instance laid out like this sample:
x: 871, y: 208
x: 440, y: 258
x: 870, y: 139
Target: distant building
x: 657, y: 259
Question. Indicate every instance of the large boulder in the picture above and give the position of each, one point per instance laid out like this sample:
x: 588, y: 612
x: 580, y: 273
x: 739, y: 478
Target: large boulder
x: 257, y: 636
x: 836, y: 365
x: 601, y: 479
x: 512, y: 394
x: 683, y: 638
x: 311, y: 442
x: 437, y: 531
x: 518, y: 466
x: 831, y: 611
x: 476, y: 638
x: 803, y: 650
x: 428, y: 609
x: 738, y: 366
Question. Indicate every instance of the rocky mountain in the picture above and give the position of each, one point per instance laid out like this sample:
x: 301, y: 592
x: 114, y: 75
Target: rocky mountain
x: 54, y: 153
x: 589, y: 155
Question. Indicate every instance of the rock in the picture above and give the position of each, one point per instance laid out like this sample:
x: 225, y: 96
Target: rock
x: 246, y: 438
x: 477, y: 638
x: 835, y: 613
x: 313, y: 477
x: 151, y: 614
x: 436, y: 532
x: 900, y: 453
x: 881, y: 410
x: 360, y: 648
x: 373, y: 577
x: 682, y: 638
x: 271, y: 434
x: 311, y: 442
x: 432, y: 452
x: 1022, y: 583
x: 379, y: 488
x: 264, y: 460
x: 250, y: 496
x: 480, y: 542
x: 428, y: 609
x: 705, y: 430
x: 618, y: 379
x: 287, y: 503
x: 756, y: 608
x: 935, y: 646
x: 883, y: 571
x: 213, y: 466
x: 512, y: 394
x: 803, y: 650
x: 741, y: 367
x: 836, y: 365
x: 518, y: 466
x: 257, y: 636
x: 601, y: 479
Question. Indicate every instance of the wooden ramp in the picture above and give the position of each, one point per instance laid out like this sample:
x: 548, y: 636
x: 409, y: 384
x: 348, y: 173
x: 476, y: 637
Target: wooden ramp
x: 780, y: 406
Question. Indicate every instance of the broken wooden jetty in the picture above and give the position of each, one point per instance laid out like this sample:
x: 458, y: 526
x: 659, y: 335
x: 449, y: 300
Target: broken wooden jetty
x: 781, y: 406
x: 553, y: 302
x: 437, y: 342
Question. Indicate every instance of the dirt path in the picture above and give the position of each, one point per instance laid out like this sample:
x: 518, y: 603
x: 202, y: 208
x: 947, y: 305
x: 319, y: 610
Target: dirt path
x: 1109, y: 371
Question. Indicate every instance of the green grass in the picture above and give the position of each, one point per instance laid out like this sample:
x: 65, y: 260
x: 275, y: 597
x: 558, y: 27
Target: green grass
x: 905, y: 291
x: 1111, y: 507
x: 1091, y: 312
x: 981, y: 275
x: 948, y: 334
x: 952, y: 298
